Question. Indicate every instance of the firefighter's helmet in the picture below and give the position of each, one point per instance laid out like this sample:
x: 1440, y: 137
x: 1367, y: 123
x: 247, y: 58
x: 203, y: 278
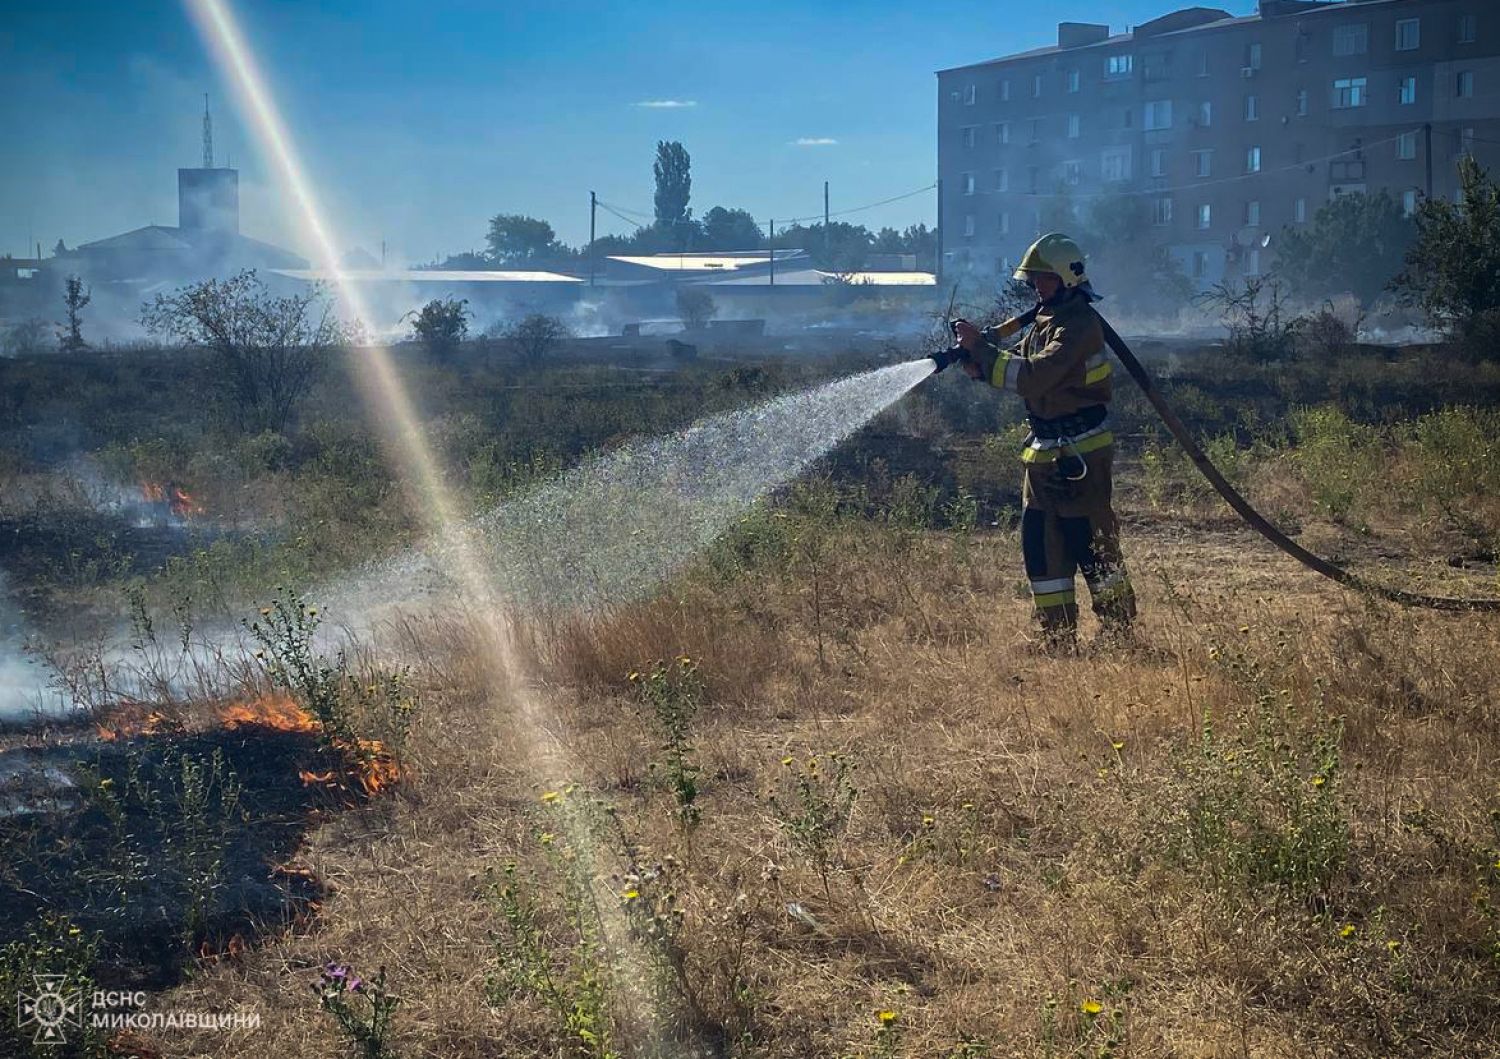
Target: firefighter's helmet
x: 1054, y: 253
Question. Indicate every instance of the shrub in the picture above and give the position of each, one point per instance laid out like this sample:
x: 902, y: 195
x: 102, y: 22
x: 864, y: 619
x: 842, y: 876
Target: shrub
x: 441, y: 325
x: 534, y: 335
x: 696, y: 307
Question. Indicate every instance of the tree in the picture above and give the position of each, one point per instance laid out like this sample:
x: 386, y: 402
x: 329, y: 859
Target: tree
x: 1355, y: 243
x: 70, y: 339
x: 842, y: 247
x: 534, y: 335
x: 674, y: 186
x: 441, y: 325
x: 725, y: 229
x: 516, y: 239
x: 696, y: 307
x: 1452, y: 270
x: 24, y: 338
x: 267, y: 351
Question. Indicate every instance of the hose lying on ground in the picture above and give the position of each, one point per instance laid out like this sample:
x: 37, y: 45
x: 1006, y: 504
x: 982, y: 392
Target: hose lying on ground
x: 1255, y: 519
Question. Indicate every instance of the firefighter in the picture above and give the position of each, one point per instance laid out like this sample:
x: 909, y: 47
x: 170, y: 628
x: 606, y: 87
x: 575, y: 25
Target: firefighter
x: 1061, y: 370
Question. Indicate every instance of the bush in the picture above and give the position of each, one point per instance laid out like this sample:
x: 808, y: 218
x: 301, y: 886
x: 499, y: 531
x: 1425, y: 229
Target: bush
x: 696, y: 307
x: 534, y: 335
x: 1255, y: 314
x: 441, y: 325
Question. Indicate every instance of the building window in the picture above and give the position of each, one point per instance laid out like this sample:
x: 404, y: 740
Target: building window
x: 1200, y: 263
x: 1203, y: 64
x: 1252, y: 214
x: 1408, y: 34
x: 1158, y: 161
x: 1463, y: 86
x: 1205, y: 114
x: 970, y: 134
x: 1252, y: 108
x: 1349, y: 92
x: 1127, y: 118
x: 1299, y: 211
x: 969, y: 226
x: 1036, y: 86
x: 1407, y: 94
x: 1252, y: 160
x: 1301, y: 102
x: 1072, y: 173
x: 1353, y: 39
x: 1002, y: 180
x: 970, y: 95
x: 1466, y: 141
x: 1161, y: 211
x: 1073, y: 126
x: 1409, y: 202
x: 1252, y: 56
x: 1114, y: 164
x: 1073, y: 81
x: 967, y: 180
x: 1004, y: 222
x: 1468, y: 28
x: 1034, y: 130
x: 1203, y: 163
x: 1120, y: 66
x: 1031, y: 175
x: 1005, y: 90
x: 1252, y: 261
x: 1002, y: 133
x: 1159, y: 114
x: 1406, y: 146
x: 1205, y: 217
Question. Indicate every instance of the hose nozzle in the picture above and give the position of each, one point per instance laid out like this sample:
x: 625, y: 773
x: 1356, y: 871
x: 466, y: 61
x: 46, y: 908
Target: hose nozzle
x: 944, y: 357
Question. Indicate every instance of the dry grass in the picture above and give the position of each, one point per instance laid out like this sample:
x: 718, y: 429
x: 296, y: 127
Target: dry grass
x: 1019, y: 848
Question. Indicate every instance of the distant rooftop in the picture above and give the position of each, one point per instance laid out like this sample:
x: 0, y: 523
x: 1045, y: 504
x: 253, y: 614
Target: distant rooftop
x: 368, y: 275
x: 1075, y: 36
x: 727, y: 261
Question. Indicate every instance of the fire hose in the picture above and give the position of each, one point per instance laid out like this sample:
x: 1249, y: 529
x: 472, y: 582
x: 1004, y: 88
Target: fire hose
x: 1232, y: 497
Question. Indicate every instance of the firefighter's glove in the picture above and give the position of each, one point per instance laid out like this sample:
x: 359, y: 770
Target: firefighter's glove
x: 944, y: 357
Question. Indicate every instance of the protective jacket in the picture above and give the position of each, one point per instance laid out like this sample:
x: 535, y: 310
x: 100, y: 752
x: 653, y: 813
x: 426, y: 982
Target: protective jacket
x: 1061, y: 366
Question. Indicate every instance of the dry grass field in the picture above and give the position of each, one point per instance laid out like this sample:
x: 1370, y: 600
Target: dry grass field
x: 820, y: 798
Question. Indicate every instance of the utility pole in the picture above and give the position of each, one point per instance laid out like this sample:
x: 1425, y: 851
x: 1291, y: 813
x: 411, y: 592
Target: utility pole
x: 1427, y: 128
x: 382, y: 255
x: 593, y: 210
x: 937, y: 265
x: 827, y: 244
x: 772, y: 228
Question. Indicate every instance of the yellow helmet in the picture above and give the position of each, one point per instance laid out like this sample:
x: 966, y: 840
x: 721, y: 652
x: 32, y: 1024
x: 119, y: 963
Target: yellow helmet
x: 1054, y: 253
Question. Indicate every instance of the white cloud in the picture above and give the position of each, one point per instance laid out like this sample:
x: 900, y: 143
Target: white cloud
x: 814, y: 141
x: 666, y: 104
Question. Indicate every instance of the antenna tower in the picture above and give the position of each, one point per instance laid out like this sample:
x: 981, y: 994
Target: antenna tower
x: 208, y: 136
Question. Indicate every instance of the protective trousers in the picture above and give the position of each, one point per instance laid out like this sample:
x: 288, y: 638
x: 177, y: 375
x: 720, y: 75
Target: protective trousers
x: 1068, y: 527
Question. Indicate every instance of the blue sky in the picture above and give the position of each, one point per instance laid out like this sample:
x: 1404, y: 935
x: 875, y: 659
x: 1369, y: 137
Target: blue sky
x: 419, y: 121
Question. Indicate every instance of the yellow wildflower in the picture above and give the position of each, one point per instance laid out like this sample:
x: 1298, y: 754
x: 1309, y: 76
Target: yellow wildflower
x: 886, y: 1017
x: 928, y: 822
x: 1347, y: 930
x: 1118, y: 744
x: 1318, y: 781
x: 631, y: 895
x: 550, y: 796
x: 787, y: 761
x: 546, y: 838
x: 1393, y: 944
x: 1091, y: 1007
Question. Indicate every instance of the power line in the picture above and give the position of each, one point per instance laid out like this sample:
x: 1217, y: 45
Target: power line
x: 618, y: 211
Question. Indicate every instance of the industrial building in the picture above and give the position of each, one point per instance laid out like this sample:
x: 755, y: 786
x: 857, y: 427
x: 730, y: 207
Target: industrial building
x: 1230, y: 128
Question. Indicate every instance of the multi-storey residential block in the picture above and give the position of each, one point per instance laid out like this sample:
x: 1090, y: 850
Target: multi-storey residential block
x: 1229, y: 128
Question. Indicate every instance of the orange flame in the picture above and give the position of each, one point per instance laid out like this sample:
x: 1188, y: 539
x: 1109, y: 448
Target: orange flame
x: 129, y: 722
x: 275, y: 712
x: 179, y: 501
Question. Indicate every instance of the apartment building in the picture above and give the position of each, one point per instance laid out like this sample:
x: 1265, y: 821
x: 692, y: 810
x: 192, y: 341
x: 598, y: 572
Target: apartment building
x: 1229, y: 128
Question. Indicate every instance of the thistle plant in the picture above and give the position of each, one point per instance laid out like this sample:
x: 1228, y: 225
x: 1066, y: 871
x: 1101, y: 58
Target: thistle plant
x: 362, y: 1007
x: 814, y: 808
